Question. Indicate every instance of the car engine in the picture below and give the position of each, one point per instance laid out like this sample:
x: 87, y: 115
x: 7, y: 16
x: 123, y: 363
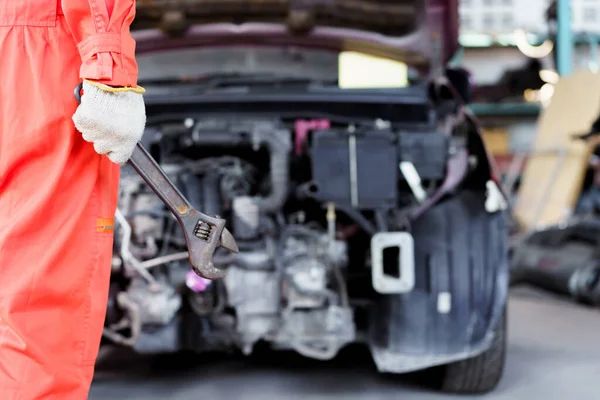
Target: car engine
x: 302, y: 197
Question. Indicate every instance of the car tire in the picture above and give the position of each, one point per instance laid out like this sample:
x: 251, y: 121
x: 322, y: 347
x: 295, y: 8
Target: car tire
x: 480, y: 374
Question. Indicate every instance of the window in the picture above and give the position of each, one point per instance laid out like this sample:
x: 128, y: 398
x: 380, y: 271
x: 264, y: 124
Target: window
x: 507, y: 21
x: 488, y: 21
x: 589, y: 15
x: 465, y: 22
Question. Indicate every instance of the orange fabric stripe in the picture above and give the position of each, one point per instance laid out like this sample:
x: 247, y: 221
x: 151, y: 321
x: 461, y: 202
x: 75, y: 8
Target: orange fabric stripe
x: 105, y: 225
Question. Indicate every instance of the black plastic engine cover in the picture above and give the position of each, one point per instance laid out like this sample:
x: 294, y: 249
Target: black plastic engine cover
x: 428, y: 151
x: 375, y: 163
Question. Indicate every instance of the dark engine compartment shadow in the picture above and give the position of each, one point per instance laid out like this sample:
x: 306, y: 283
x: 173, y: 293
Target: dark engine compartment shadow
x: 351, y: 371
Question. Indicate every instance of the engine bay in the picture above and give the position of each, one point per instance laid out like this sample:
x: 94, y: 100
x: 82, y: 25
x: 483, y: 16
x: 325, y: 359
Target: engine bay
x: 304, y: 198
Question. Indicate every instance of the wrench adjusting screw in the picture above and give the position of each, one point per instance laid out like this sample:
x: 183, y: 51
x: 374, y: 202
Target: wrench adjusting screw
x: 202, y: 231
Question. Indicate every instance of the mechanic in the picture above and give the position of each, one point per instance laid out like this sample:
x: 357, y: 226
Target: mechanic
x: 59, y: 176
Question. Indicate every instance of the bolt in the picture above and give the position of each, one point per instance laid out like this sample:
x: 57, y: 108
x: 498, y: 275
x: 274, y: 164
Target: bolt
x: 117, y: 263
x: 247, y: 349
x: 314, y: 273
x: 188, y: 122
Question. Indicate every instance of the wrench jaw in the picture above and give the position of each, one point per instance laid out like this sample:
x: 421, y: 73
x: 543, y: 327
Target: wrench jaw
x: 206, y: 268
x: 203, y: 234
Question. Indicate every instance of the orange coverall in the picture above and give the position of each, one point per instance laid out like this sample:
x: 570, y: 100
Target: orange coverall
x: 57, y: 195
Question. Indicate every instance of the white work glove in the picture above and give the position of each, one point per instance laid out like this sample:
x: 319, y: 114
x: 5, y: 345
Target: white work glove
x: 113, y: 119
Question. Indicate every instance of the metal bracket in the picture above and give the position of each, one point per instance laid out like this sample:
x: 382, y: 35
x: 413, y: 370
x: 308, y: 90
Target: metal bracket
x: 387, y: 284
x: 495, y: 200
x: 411, y: 175
x: 353, y: 170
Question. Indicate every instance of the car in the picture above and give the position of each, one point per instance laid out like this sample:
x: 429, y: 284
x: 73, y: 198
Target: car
x: 337, y: 142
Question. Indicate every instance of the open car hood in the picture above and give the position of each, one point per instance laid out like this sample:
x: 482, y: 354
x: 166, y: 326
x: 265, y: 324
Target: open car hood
x: 424, y: 30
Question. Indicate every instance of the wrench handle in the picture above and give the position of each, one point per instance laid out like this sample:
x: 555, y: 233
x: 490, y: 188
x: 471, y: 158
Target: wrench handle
x: 143, y: 163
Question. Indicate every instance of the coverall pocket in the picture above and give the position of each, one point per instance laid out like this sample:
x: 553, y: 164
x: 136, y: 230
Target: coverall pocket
x: 41, y: 13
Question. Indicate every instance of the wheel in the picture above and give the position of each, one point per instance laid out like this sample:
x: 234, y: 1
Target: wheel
x: 480, y: 374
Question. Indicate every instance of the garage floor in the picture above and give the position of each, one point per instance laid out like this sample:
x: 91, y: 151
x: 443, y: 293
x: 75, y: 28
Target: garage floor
x: 554, y: 353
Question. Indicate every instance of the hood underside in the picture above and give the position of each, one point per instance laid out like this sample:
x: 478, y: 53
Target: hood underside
x: 389, y: 18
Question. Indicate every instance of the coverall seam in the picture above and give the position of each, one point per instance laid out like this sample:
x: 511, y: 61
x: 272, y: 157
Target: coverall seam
x: 121, y: 57
x: 22, y: 15
x: 121, y: 53
x: 27, y: 366
x: 97, y: 17
x: 30, y: 288
x: 104, y: 66
x: 94, y: 261
x: 33, y: 24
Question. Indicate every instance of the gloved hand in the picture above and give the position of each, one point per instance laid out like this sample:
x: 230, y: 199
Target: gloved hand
x: 113, y: 119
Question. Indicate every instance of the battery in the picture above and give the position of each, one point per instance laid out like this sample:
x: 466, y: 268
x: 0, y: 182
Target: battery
x: 355, y: 169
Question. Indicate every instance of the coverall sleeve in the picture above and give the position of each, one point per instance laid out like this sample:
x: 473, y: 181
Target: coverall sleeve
x: 101, y: 31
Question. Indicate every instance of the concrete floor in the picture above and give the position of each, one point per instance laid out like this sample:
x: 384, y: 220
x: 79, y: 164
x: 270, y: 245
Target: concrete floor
x: 553, y: 354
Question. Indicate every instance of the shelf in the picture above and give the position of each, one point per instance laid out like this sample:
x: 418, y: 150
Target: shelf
x: 505, y: 109
x: 481, y: 40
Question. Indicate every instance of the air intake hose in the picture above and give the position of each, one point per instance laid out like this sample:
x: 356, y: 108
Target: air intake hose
x: 279, y: 143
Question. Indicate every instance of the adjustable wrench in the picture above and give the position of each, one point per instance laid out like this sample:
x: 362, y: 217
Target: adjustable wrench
x: 202, y: 232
